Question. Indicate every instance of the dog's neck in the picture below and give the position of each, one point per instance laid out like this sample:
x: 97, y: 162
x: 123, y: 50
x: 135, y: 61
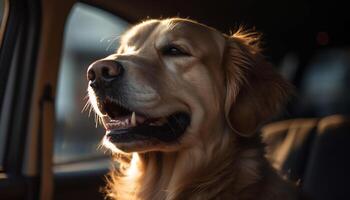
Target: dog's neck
x: 223, y: 167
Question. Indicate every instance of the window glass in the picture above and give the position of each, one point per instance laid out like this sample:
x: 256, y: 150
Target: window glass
x: 90, y: 34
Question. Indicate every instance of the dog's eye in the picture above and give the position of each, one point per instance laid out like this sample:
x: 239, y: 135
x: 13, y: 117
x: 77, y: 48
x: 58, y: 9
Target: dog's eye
x: 172, y: 50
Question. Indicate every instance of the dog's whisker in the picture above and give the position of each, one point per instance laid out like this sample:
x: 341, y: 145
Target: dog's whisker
x: 90, y: 110
x: 109, y: 38
x: 111, y: 42
x: 100, y: 120
x: 97, y: 118
x: 99, y: 146
x: 86, y: 97
x: 86, y: 106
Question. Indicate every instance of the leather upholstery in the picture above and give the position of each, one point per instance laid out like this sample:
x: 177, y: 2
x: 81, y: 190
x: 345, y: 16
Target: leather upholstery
x: 315, y: 153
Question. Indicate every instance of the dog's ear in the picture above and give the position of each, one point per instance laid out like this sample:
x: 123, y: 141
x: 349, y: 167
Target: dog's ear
x: 254, y: 90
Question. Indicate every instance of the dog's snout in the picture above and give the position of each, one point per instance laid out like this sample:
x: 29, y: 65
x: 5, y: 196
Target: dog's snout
x: 105, y: 70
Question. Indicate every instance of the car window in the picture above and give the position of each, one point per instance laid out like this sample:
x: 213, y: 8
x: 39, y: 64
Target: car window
x: 3, y: 19
x: 90, y: 34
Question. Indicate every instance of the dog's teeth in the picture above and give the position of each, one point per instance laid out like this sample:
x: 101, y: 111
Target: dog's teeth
x: 133, y: 119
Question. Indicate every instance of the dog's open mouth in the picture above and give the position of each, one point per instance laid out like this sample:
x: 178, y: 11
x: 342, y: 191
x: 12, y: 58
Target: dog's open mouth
x: 123, y: 125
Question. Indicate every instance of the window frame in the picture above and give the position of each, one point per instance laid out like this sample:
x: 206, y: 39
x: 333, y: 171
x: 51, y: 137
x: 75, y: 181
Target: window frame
x: 18, y: 52
x: 17, y: 62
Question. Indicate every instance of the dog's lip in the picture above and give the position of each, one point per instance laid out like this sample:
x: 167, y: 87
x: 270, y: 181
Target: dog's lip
x: 167, y: 131
x: 124, y: 124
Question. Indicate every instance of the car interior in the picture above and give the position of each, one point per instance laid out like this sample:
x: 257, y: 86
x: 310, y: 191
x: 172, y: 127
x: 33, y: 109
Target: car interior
x: 50, y: 140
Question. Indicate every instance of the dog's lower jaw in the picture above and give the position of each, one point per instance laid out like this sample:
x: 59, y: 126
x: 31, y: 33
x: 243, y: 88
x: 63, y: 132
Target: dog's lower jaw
x: 222, y: 169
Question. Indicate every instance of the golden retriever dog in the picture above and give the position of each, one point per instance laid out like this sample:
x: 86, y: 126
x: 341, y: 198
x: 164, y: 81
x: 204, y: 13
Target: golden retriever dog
x: 182, y: 104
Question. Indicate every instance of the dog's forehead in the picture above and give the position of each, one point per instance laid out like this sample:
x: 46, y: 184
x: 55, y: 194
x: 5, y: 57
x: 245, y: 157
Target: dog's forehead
x: 139, y: 32
x: 186, y: 26
x: 175, y: 27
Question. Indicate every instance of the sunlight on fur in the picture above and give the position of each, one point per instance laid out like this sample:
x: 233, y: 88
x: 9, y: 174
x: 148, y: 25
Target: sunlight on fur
x: 130, y: 50
x: 134, y: 171
x: 109, y: 145
x: 93, y: 101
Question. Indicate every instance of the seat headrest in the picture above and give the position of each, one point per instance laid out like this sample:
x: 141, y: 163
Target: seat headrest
x: 325, y: 86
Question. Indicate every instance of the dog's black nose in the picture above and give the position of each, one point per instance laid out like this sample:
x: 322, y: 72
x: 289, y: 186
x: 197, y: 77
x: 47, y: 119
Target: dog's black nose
x: 104, y: 70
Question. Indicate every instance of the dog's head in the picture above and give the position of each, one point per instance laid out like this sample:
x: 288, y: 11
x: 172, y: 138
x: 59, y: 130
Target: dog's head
x: 175, y: 82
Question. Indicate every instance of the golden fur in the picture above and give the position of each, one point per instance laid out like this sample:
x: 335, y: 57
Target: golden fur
x: 229, y: 89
